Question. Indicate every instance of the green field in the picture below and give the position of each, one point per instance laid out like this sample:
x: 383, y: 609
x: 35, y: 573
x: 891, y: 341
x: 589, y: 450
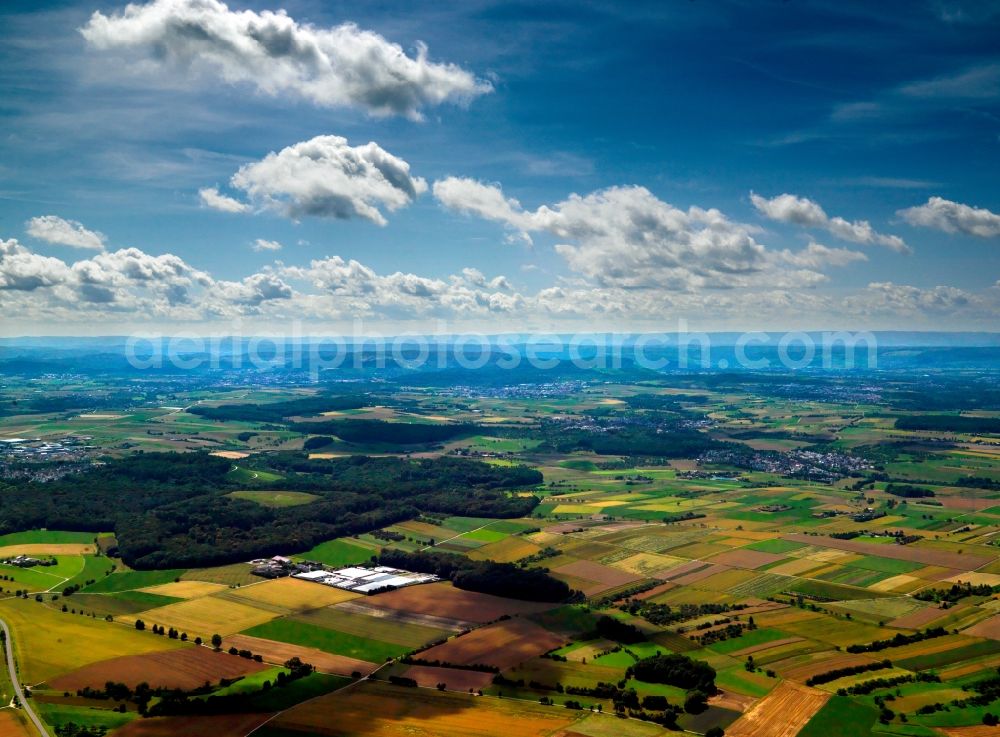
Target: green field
x: 332, y: 641
x: 275, y: 499
x: 851, y: 718
x: 59, y: 715
x: 748, y: 639
x: 129, y: 580
x: 94, y: 569
x: 338, y: 553
x: 775, y: 546
x: 35, y: 537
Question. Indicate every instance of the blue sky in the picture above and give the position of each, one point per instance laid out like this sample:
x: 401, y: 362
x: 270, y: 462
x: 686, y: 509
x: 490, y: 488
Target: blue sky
x: 115, y: 125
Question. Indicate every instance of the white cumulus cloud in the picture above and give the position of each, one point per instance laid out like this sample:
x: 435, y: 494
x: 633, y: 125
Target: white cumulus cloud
x: 212, y: 198
x: 24, y: 271
x: 625, y: 237
x: 54, y: 229
x: 352, y: 288
x: 272, y: 52
x: 953, y: 217
x: 326, y: 177
x: 261, y: 244
x: 788, y: 208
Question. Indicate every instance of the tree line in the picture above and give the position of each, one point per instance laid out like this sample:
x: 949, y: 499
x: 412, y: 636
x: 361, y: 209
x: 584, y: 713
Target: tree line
x: 484, y: 576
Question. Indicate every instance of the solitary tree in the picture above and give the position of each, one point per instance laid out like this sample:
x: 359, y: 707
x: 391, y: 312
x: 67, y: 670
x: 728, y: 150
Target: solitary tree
x: 139, y: 624
x: 217, y: 641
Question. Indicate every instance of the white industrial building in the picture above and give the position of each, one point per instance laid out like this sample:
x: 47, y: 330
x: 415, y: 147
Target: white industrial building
x: 367, y: 580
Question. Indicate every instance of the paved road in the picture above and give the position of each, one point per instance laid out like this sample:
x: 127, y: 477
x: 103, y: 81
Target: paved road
x: 25, y: 703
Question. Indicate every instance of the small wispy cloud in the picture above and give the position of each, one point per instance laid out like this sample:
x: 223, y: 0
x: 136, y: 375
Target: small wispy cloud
x: 54, y: 229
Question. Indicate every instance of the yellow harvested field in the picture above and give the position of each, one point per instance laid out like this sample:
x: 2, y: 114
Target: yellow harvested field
x: 913, y: 702
x: 294, y: 594
x: 828, y: 556
x: 46, y: 549
x: 232, y: 455
x: 235, y: 574
x: 186, y: 589
x: 49, y: 642
x: 975, y: 578
x: 796, y: 567
x: 782, y: 713
x: 935, y: 573
x: 645, y: 564
x: 978, y: 730
x: 423, y: 528
x: 505, y: 551
x: 576, y: 509
x: 745, y: 535
x: 205, y: 616
x: 901, y: 582
x: 930, y: 647
x: 781, y: 617
x: 376, y: 710
x: 890, y: 519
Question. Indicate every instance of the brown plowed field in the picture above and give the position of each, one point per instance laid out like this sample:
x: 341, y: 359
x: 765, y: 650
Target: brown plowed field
x: 454, y: 679
x: 12, y: 725
x: 782, y: 713
x: 279, y: 652
x: 187, y: 668
x: 922, y: 617
x: 362, y: 607
x: 504, y: 644
x: 378, y: 710
x: 700, y: 574
x: 604, y: 577
x: 682, y: 570
x: 444, y: 600
x: 988, y: 628
x: 746, y: 558
x: 819, y: 663
x: 227, y: 725
x: 661, y: 589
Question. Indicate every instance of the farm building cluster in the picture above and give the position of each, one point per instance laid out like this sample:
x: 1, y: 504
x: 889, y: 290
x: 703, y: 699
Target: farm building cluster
x: 363, y: 580
x: 367, y: 580
x: 25, y: 561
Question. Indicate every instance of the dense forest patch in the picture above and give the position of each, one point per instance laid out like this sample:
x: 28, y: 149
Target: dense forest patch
x: 173, y: 510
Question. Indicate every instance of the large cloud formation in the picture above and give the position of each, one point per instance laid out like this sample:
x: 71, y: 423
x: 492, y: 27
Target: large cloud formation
x: 953, y: 217
x: 324, y: 177
x: 625, y: 237
x: 358, y: 290
x: 130, y: 284
x: 338, y: 66
x: 787, y: 208
x: 24, y: 271
x: 54, y: 229
x: 125, y: 281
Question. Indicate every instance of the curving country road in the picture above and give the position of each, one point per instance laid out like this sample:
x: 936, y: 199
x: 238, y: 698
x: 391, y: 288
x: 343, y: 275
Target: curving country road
x: 12, y: 669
